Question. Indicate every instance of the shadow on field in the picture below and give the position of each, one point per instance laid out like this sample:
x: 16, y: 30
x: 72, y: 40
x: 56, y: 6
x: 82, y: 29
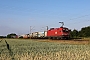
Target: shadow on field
x: 9, y: 49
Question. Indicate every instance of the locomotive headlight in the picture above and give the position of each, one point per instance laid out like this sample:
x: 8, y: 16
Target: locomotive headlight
x: 55, y: 32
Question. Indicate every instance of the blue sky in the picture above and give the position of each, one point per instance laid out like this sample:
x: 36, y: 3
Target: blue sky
x: 16, y: 16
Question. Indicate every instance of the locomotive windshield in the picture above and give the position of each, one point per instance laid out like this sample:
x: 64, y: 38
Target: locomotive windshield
x: 65, y: 30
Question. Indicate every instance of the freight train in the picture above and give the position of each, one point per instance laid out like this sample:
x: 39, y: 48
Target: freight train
x: 53, y: 33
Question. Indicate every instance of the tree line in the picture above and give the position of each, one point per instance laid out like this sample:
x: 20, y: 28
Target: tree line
x: 12, y: 35
x: 84, y: 32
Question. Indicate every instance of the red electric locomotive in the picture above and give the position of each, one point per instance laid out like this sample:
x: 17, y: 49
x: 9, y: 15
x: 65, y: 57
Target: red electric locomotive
x: 59, y: 33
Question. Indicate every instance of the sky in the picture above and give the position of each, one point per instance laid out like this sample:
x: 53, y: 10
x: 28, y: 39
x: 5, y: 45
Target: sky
x: 16, y: 16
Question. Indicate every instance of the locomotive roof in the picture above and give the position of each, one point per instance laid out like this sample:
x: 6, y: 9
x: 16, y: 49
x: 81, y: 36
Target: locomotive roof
x: 58, y: 28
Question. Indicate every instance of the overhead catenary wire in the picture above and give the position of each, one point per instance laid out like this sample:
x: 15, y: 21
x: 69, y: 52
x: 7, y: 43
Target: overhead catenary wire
x: 78, y: 18
x: 75, y: 23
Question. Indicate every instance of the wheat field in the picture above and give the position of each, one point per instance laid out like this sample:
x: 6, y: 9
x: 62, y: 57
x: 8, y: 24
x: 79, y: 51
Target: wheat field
x: 26, y: 49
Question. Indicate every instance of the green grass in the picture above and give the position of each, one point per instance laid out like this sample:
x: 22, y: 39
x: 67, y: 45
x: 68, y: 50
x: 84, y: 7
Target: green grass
x: 88, y: 38
x: 25, y: 49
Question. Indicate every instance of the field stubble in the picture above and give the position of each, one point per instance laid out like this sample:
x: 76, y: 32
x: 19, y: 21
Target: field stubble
x: 44, y: 50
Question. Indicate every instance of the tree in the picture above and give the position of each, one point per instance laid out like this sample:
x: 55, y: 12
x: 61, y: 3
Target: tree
x: 85, y: 32
x: 12, y: 35
x: 74, y: 33
x: 2, y: 36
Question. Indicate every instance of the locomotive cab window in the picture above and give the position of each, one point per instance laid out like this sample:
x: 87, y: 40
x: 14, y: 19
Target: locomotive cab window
x: 65, y: 30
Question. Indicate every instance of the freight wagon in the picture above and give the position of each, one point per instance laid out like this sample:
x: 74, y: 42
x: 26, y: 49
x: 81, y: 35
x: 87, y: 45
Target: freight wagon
x: 38, y: 35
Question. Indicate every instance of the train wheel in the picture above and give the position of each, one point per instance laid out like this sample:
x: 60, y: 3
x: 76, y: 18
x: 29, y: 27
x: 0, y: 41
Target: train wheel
x: 58, y: 38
